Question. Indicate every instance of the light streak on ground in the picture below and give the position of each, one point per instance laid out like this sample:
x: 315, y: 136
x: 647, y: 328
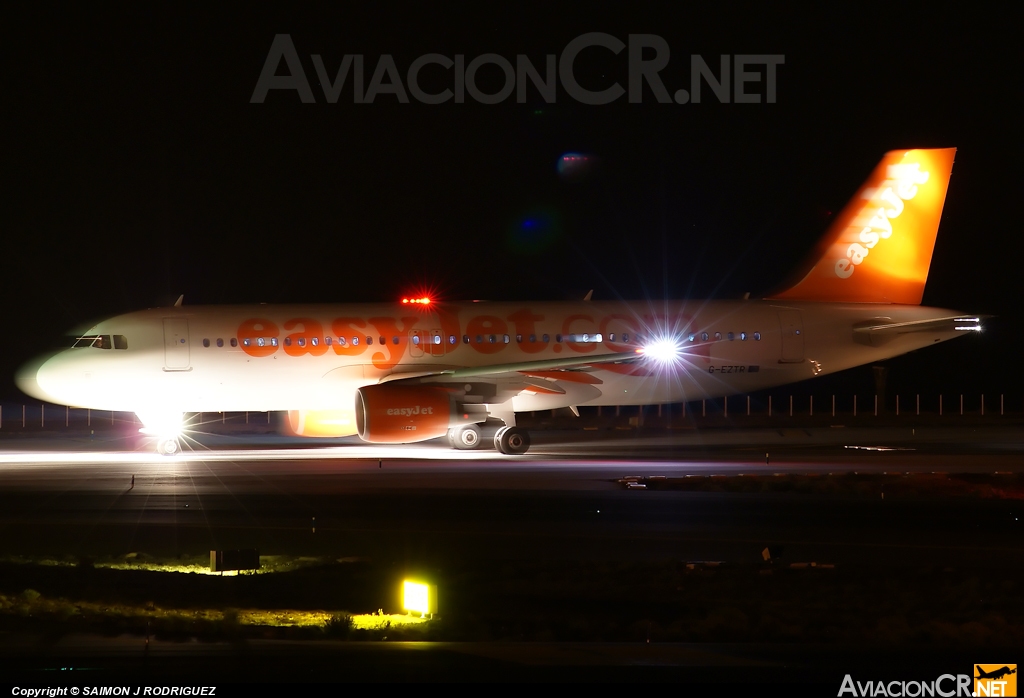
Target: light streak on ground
x: 292, y: 454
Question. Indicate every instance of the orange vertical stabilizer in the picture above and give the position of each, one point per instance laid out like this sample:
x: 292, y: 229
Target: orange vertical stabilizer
x: 879, y: 248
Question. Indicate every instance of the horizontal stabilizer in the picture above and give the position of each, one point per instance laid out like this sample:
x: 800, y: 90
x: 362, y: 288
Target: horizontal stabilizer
x: 880, y: 331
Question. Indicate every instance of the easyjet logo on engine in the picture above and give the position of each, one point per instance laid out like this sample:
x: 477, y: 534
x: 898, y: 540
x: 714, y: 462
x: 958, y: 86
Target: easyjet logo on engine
x: 409, y: 411
x: 885, y: 203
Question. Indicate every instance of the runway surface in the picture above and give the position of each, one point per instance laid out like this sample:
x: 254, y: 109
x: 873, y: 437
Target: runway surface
x: 876, y: 503
x: 565, y: 499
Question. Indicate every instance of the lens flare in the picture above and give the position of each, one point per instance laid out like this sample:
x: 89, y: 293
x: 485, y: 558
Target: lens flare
x: 663, y: 350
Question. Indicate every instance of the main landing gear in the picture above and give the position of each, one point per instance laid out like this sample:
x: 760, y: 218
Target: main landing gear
x: 512, y: 441
x: 465, y: 438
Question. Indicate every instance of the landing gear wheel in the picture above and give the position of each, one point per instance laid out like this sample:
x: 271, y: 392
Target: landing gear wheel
x: 466, y: 438
x: 167, y: 447
x: 512, y: 441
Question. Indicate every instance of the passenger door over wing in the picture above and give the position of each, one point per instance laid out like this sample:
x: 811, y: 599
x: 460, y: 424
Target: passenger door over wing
x: 176, y: 350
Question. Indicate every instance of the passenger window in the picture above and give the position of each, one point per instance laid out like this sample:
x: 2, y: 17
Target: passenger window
x: 314, y: 341
x: 611, y: 336
x: 757, y: 336
x: 245, y: 342
x: 492, y: 339
x: 506, y: 338
x: 260, y: 342
x: 625, y: 338
x: 519, y: 339
x: 731, y: 336
x: 206, y: 343
x: 451, y: 339
x: 545, y: 338
x: 328, y: 340
x: 383, y: 340
x: 558, y: 337
x: 479, y: 339
x: 718, y: 336
x: 743, y: 336
x: 692, y: 337
x: 302, y: 341
x: 355, y: 341
x: 533, y: 339
x: 703, y: 336
x: 287, y: 341
x: 369, y: 341
x: 465, y: 339
x: 342, y: 341
x: 437, y: 339
x: 273, y: 341
x: 394, y: 340
x: 234, y: 342
x: 416, y: 339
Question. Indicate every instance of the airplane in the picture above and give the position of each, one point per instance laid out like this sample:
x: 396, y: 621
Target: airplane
x: 994, y: 674
x: 420, y: 369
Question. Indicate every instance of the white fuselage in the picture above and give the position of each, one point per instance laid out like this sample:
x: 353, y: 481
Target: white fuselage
x: 314, y: 357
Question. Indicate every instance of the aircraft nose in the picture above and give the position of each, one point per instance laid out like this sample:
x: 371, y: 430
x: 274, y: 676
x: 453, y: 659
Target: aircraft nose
x: 28, y: 376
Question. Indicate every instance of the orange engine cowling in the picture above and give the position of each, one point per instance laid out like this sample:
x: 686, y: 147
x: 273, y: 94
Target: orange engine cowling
x: 396, y: 414
x: 322, y: 422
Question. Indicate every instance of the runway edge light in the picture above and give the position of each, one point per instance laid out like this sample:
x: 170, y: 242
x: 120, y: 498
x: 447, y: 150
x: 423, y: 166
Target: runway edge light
x: 418, y: 597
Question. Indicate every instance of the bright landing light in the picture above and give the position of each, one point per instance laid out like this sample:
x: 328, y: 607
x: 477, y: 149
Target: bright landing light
x: 665, y: 351
x: 165, y: 425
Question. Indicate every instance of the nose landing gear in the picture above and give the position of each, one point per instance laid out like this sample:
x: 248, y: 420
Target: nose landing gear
x: 167, y: 447
x: 166, y: 425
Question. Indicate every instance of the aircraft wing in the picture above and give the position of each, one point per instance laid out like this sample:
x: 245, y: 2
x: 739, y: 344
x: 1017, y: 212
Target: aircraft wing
x: 547, y: 366
x: 498, y: 383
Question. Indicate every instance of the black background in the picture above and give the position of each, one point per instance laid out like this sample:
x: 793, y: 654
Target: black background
x: 138, y: 169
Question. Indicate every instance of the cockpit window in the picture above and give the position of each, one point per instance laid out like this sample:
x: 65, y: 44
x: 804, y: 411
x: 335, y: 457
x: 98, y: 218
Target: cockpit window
x: 120, y: 341
x: 97, y: 341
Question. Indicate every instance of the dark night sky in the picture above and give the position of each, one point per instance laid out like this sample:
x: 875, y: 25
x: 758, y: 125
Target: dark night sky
x: 138, y: 169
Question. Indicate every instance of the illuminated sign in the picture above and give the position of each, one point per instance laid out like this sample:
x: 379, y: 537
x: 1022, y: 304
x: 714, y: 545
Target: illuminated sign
x: 419, y: 598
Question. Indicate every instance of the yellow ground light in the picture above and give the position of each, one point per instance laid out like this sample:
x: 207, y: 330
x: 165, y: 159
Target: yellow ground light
x: 258, y: 617
x: 370, y: 621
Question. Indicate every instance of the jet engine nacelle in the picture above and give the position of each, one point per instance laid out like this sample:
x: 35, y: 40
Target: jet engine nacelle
x: 322, y: 422
x: 395, y: 414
